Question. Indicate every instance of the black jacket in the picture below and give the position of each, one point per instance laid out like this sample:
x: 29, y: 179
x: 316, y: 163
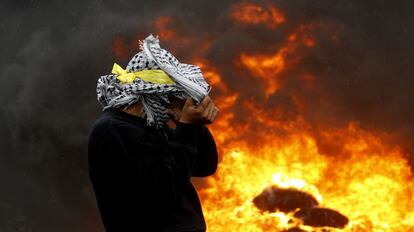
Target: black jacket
x: 141, y: 175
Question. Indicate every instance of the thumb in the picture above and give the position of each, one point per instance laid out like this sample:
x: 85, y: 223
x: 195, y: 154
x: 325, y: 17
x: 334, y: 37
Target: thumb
x: 188, y: 102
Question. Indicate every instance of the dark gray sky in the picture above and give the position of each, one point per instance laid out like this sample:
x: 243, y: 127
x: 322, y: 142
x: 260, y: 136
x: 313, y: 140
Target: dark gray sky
x: 54, y: 51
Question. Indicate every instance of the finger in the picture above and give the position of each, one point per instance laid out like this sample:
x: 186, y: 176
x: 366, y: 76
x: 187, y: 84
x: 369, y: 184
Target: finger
x: 207, y: 110
x: 211, y: 118
x: 215, y: 114
x: 211, y: 112
x: 203, y: 105
x: 206, y: 101
x: 199, y: 108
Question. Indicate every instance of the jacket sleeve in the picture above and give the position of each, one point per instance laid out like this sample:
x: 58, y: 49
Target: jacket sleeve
x: 207, y: 158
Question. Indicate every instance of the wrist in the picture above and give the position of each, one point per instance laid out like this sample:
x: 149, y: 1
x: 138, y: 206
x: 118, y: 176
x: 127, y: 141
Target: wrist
x: 185, y: 121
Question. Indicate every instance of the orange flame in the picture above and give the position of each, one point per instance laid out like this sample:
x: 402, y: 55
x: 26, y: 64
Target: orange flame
x: 212, y: 76
x: 162, y: 25
x: 250, y: 13
x: 372, y: 186
x: 269, y: 67
x: 369, y: 180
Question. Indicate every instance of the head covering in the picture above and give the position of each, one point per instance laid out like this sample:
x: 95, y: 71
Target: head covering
x: 150, y: 77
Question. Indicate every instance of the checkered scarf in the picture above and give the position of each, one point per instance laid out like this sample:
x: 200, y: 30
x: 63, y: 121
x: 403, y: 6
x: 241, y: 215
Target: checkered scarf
x: 189, y: 82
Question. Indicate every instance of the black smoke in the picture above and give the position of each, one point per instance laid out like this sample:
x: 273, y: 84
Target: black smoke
x: 54, y: 51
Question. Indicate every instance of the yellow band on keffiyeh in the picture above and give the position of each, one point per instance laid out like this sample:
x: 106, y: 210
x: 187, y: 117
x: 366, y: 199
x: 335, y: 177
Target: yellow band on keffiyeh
x: 153, y: 76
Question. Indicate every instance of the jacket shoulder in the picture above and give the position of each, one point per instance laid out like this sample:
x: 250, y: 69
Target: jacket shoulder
x: 99, y: 127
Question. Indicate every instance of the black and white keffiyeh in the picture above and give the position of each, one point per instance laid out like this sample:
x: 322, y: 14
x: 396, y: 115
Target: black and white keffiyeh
x: 188, y: 82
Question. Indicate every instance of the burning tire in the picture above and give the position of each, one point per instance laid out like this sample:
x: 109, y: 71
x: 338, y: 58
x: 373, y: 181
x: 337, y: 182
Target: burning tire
x: 285, y: 200
x: 274, y: 199
x: 319, y: 217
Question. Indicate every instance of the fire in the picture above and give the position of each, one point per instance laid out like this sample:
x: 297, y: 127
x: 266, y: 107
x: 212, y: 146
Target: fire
x: 365, y: 177
x: 262, y: 65
x: 250, y: 13
x: 268, y: 67
x: 212, y: 76
x: 372, y: 185
x: 369, y: 180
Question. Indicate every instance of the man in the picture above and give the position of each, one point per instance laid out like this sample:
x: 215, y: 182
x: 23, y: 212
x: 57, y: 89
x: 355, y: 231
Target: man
x: 139, y: 167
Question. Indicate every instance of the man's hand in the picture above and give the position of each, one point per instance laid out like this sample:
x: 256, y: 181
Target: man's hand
x: 203, y: 113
